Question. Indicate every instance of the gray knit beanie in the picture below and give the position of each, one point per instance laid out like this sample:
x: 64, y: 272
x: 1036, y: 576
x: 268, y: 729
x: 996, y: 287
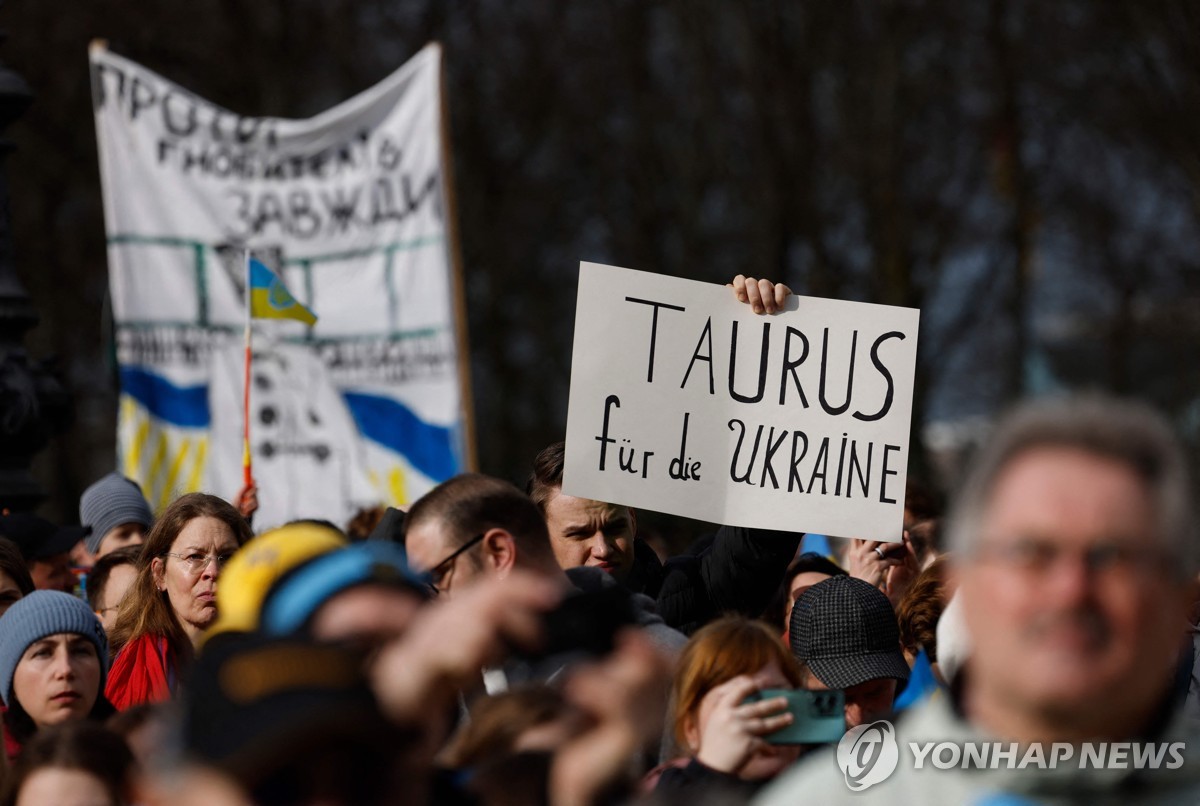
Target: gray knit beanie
x: 110, y: 502
x: 43, y: 613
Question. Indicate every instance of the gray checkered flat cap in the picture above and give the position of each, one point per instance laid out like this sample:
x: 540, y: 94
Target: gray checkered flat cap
x: 844, y: 630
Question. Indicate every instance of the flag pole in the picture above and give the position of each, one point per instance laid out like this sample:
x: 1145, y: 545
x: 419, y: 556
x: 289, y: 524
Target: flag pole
x: 462, y: 343
x: 247, y: 474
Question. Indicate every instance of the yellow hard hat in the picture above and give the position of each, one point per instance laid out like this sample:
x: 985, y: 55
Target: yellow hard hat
x: 257, y: 565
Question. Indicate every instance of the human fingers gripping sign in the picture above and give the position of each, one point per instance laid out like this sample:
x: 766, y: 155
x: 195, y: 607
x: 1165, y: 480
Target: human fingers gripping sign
x: 763, y: 296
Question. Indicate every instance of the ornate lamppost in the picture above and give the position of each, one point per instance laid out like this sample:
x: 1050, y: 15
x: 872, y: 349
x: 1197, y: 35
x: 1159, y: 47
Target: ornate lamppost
x: 33, y: 404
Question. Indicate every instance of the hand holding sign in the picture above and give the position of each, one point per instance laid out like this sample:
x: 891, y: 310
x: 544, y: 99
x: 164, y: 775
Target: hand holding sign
x: 683, y: 401
x: 762, y: 296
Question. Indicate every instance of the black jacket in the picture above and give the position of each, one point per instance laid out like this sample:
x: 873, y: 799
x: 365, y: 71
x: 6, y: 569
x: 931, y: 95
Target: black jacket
x: 696, y: 783
x: 737, y: 573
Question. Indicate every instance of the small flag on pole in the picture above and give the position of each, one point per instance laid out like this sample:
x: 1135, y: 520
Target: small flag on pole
x: 270, y: 299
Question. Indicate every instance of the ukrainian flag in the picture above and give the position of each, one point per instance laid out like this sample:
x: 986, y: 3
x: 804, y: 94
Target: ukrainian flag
x: 269, y: 299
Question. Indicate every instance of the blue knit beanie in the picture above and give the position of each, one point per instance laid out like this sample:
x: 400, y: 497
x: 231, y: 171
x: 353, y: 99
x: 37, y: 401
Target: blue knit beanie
x: 43, y: 613
x: 110, y: 502
x: 301, y: 593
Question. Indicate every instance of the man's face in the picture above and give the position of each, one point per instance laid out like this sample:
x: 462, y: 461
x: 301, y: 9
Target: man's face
x: 428, y: 544
x: 866, y: 702
x: 53, y: 573
x: 1069, y: 601
x: 586, y: 532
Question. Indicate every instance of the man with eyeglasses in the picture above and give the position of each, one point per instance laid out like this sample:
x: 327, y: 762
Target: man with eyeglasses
x: 1076, y: 552
x: 475, y: 527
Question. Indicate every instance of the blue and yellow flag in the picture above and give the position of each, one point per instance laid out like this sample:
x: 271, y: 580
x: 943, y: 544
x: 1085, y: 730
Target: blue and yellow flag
x: 270, y: 299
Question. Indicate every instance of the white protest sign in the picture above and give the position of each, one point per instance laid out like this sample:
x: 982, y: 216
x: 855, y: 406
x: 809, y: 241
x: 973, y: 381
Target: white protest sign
x: 685, y: 401
x: 349, y: 208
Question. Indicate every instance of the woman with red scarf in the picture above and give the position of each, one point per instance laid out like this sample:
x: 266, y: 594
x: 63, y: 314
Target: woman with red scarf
x: 174, y: 598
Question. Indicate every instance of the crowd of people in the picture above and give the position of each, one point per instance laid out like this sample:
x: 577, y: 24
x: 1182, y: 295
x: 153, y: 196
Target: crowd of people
x: 495, y: 645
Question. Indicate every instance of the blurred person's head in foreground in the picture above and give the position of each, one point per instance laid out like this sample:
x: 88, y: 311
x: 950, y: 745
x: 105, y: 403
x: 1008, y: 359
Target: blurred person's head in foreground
x: 53, y: 662
x: 77, y: 763
x: 109, y: 580
x: 844, y: 634
x: 520, y: 720
x: 474, y: 526
x: 15, y: 580
x: 147, y: 729
x: 292, y: 722
x: 263, y: 562
x: 1075, y: 540
x: 582, y: 531
x: 720, y: 655
x: 116, y: 513
x: 46, y: 549
x: 364, y: 594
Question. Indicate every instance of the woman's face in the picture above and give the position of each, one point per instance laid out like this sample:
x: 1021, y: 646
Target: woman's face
x: 58, y: 679
x: 190, y: 570
x: 769, y: 760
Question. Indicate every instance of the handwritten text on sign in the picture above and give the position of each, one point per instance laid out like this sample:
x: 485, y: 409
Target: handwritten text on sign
x: 685, y: 401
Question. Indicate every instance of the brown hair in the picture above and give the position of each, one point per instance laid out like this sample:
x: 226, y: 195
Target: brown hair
x: 719, y: 652
x: 13, y: 564
x: 97, y: 578
x: 546, y: 478
x: 472, y: 503
x: 364, y: 522
x: 146, y: 610
x: 124, y: 723
x: 83, y: 746
x: 497, y: 722
x: 921, y: 608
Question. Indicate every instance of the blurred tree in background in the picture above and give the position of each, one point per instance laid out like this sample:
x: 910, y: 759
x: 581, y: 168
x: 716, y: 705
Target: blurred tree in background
x: 1025, y: 173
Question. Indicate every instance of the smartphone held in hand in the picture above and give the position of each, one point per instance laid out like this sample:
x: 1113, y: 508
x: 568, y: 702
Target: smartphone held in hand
x: 818, y: 717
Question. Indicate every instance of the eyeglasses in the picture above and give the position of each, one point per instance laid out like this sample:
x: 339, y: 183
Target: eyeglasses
x: 196, y: 562
x: 1037, y: 557
x: 439, y: 573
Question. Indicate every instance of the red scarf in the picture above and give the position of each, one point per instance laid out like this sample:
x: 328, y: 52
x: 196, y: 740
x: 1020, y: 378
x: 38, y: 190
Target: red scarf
x: 143, y: 671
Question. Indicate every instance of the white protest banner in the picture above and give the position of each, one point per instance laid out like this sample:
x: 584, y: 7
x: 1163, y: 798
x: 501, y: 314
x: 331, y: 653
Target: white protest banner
x: 349, y: 208
x: 684, y: 401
